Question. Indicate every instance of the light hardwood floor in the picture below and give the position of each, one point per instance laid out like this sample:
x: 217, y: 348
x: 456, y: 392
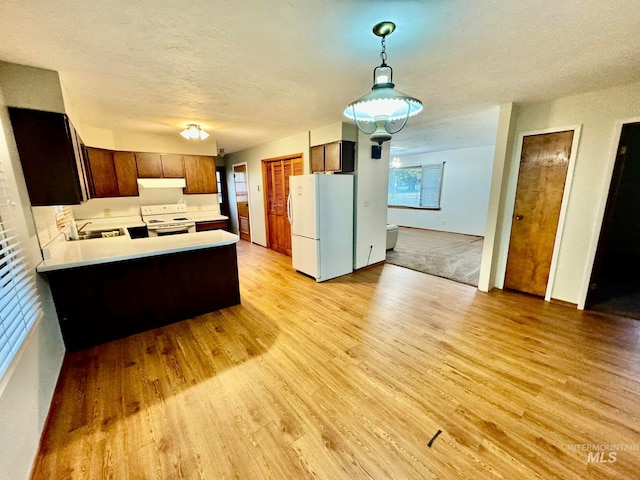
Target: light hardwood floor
x: 350, y: 379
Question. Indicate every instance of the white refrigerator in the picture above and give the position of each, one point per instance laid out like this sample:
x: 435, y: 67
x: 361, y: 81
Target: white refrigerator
x: 320, y: 209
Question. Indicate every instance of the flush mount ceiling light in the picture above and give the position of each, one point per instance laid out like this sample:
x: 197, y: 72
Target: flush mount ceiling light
x: 383, y: 111
x: 194, y: 132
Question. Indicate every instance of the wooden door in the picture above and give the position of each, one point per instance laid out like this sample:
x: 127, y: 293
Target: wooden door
x: 276, y: 173
x: 149, y: 165
x: 200, y: 174
x: 544, y: 162
x: 242, y: 201
x: 172, y: 166
x: 126, y: 173
x: 103, y: 174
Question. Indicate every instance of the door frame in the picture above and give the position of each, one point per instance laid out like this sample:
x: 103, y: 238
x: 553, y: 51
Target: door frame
x: 601, y: 209
x: 510, y: 198
x: 264, y: 188
x: 248, y: 196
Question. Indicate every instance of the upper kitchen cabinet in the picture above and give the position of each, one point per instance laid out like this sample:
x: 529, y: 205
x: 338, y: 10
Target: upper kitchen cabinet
x: 51, y: 157
x: 126, y: 173
x: 200, y: 174
x: 172, y: 166
x: 333, y: 157
x: 149, y: 165
x: 112, y: 174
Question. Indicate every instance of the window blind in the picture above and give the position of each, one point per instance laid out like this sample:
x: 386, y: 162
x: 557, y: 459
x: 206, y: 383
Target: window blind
x: 19, y: 302
x: 431, y: 187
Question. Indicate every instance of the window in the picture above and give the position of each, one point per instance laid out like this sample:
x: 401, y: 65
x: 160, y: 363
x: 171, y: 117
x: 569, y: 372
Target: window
x: 19, y: 304
x: 417, y: 187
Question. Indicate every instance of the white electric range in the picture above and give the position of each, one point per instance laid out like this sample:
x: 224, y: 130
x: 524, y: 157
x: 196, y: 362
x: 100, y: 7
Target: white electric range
x: 169, y: 219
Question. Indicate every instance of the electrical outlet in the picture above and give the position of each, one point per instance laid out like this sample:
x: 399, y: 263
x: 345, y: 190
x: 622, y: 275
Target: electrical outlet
x: 107, y: 212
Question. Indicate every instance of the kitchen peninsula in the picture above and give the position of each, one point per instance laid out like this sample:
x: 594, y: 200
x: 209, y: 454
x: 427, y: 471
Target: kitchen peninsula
x: 110, y: 288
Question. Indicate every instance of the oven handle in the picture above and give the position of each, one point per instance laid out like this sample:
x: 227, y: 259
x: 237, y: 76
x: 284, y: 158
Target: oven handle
x: 180, y: 228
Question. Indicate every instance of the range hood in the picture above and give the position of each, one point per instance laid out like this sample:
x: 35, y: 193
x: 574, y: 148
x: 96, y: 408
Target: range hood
x: 162, y: 182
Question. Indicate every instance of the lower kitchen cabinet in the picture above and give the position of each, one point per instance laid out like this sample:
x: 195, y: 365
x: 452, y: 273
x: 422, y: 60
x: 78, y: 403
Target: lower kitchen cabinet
x: 104, y: 302
x: 213, y: 225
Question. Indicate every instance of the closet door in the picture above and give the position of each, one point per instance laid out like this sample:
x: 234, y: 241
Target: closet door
x: 276, y: 173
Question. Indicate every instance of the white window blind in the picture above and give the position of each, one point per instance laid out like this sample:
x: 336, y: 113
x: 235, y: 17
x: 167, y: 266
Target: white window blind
x: 431, y: 185
x: 19, y: 303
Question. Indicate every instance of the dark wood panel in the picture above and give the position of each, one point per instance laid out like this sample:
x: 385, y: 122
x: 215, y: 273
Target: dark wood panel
x: 100, y: 303
x: 172, y: 166
x: 102, y: 172
x: 126, y: 173
x: 317, y: 159
x: 212, y: 225
x: 332, y: 157
x: 47, y: 156
x: 200, y: 174
x: 149, y: 165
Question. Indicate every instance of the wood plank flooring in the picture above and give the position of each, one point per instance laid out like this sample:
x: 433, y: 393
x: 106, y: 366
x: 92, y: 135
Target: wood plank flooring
x: 350, y: 379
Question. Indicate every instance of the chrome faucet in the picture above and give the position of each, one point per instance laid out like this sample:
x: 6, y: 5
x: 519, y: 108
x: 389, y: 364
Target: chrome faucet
x: 84, y: 225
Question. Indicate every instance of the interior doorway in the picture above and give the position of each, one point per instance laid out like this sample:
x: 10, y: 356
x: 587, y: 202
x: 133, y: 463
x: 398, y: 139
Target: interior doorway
x: 615, y: 283
x: 241, y: 184
x: 544, y: 163
x: 275, y: 176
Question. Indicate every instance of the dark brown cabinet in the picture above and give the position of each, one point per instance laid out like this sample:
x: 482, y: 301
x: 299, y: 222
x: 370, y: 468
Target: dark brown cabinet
x: 111, y: 174
x: 51, y: 157
x: 149, y: 165
x: 333, y: 157
x: 115, y: 174
x: 211, y: 225
x: 172, y: 166
x: 200, y: 174
x: 126, y: 173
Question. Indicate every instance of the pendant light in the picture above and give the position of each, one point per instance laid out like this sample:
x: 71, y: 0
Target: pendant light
x: 383, y: 111
x: 194, y: 132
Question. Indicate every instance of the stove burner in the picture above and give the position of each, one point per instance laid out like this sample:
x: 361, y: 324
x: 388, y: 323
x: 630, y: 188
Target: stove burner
x: 181, y: 218
x: 155, y: 221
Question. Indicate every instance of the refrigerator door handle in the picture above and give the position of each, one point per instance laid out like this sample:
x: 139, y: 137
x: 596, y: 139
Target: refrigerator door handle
x: 289, y: 212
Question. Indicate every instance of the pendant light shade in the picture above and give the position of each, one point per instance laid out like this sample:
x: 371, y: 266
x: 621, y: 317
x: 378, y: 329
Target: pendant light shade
x: 383, y: 111
x: 194, y: 132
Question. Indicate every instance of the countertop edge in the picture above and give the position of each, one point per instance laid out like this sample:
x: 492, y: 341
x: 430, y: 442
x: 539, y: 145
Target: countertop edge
x: 43, y: 268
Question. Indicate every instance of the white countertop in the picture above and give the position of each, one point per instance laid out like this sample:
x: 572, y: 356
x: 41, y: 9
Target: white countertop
x: 62, y: 254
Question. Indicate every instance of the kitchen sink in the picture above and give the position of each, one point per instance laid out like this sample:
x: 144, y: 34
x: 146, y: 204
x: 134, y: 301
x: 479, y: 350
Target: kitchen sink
x: 106, y: 233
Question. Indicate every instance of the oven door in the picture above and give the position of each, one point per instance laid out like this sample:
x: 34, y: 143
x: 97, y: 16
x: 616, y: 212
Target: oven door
x: 175, y: 230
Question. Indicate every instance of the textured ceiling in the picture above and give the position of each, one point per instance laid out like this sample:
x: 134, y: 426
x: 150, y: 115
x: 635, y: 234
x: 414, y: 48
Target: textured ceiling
x: 252, y: 71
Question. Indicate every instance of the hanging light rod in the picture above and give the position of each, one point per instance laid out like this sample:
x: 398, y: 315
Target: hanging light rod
x: 383, y: 111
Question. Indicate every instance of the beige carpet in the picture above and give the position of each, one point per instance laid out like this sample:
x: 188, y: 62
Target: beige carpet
x: 449, y: 255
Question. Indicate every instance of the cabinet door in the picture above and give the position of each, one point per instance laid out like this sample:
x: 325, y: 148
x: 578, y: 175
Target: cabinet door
x: 332, y: 157
x: 317, y: 159
x: 212, y: 225
x: 126, y: 173
x: 172, y: 166
x: 149, y: 165
x: 200, y: 174
x: 102, y: 173
x: 47, y: 156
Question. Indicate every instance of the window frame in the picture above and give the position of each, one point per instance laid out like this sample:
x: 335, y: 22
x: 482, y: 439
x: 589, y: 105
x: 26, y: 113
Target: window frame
x: 422, y: 170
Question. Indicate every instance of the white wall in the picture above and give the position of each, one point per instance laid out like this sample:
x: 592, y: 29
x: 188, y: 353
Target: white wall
x: 296, y: 144
x: 25, y: 400
x: 600, y: 113
x: 465, y: 192
x: 372, y: 180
